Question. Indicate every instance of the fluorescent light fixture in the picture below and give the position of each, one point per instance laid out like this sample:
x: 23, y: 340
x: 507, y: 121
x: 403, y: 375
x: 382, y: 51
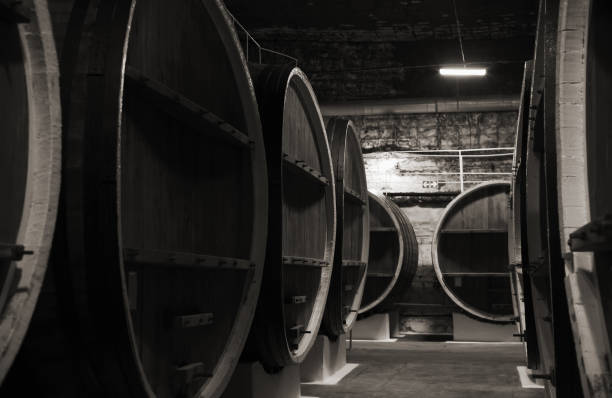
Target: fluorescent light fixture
x: 463, y: 71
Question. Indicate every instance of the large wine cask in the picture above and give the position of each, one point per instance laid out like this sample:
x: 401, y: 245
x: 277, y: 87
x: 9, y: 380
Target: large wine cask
x: 164, y: 203
x: 542, y: 262
x: 521, y: 289
x: 302, y: 218
x: 30, y: 164
x: 584, y: 167
x: 470, y: 252
x: 352, y: 232
x: 393, y: 256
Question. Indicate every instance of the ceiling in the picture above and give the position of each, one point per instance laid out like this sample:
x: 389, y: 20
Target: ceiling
x: 386, y: 49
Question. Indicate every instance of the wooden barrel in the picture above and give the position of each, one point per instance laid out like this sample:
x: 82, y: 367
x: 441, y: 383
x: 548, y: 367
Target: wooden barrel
x: 164, y: 201
x: 542, y: 261
x: 522, y: 295
x: 470, y: 252
x: 394, y: 253
x: 30, y: 163
x: 584, y: 195
x: 352, y: 233
x: 302, y: 218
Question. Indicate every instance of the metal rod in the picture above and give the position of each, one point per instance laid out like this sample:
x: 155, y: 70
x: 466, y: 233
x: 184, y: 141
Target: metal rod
x: 470, y: 181
x: 461, y: 170
x: 443, y: 173
x: 459, y: 150
x: 431, y: 155
x: 489, y: 155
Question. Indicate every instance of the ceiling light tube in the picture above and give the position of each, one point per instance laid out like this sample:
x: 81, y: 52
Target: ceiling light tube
x: 463, y: 71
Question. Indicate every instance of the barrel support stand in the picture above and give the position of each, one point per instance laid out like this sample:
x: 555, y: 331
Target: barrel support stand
x: 379, y: 327
x: 250, y: 380
x: 326, y: 362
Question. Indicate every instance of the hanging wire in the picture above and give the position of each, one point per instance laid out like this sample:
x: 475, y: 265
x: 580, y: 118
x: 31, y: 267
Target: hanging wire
x: 249, y: 38
x: 459, y: 32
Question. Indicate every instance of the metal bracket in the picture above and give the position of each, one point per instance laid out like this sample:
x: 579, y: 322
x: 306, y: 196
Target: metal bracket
x: 532, y: 267
x: 190, y: 321
x: 189, y: 378
x: 13, y: 252
x: 295, y: 333
x: 348, y: 309
x: 296, y: 300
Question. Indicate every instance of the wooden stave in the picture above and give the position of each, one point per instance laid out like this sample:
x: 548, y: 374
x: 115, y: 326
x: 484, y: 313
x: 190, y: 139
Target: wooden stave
x: 101, y: 367
x: 404, y: 268
x: 334, y: 322
x: 439, y: 274
x: 411, y: 255
x: 268, y: 341
x: 42, y: 183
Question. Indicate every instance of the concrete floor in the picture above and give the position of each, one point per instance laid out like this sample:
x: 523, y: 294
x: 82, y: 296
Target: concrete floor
x: 407, y: 369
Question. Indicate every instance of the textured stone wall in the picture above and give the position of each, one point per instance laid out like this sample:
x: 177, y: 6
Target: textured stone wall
x: 436, y: 131
x: 388, y: 170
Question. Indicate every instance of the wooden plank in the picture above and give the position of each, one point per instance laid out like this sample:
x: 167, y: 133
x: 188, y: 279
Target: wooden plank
x: 182, y: 259
x: 304, y: 261
x: 301, y: 168
x: 182, y: 108
x: 353, y: 195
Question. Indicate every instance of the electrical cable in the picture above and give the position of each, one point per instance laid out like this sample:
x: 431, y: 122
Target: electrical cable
x: 459, y: 32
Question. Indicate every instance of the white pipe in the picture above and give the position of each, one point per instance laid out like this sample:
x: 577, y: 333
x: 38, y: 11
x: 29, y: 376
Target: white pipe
x: 461, y: 170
